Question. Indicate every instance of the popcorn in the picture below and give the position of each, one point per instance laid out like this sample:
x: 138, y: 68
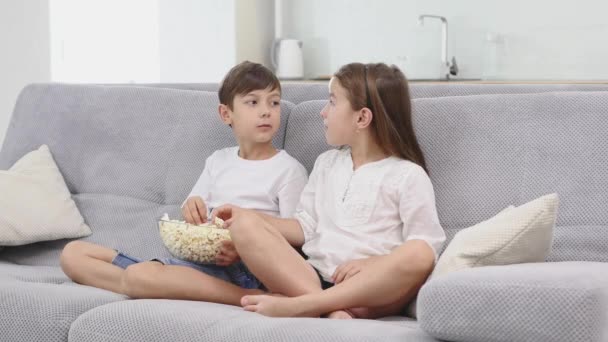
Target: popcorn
x: 191, y: 242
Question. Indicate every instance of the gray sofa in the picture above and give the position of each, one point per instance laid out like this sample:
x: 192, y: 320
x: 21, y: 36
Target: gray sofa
x: 131, y: 153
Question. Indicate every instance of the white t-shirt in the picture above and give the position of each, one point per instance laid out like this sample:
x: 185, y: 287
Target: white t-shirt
x: 271, y: 186
x: 347, y: 215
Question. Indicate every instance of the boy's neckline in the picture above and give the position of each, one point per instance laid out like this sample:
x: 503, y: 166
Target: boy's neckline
x: 275, y: 153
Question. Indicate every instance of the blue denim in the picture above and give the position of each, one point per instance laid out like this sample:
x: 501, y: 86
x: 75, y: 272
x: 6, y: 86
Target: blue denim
x: 237, y: 273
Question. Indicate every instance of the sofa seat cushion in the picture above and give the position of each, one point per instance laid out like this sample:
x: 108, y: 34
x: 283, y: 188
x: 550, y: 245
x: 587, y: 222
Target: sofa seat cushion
x: 39, y: 303
x: 171, y: 320
x: 560, y: 301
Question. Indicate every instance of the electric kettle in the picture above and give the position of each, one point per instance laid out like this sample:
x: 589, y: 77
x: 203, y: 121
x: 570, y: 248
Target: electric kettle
x: 287, y: 59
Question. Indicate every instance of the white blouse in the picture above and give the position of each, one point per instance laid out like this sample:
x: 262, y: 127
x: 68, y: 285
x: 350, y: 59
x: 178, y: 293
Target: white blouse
x: 347, y: 215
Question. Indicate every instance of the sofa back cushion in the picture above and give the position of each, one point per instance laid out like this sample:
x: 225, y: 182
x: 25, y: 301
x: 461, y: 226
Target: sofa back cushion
x: 487, y: 152
x: 298, y: 92
x: 128, y: 154
x: 294, y: 92
x: 426, y: 90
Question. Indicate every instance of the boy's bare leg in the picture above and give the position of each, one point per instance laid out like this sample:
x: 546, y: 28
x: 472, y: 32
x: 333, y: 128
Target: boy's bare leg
x: 90, y: 264
x: 154, y: 280
x: 271, y: 258
x: 376, y: 291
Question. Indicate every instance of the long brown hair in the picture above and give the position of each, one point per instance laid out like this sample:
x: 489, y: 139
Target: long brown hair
x: 384, y: 90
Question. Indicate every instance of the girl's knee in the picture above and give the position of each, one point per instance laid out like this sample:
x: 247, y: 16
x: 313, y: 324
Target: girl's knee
x: 244, y: 226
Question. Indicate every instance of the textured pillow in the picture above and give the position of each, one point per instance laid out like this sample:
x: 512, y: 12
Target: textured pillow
x: 36, y: 204
x: 515, y: 235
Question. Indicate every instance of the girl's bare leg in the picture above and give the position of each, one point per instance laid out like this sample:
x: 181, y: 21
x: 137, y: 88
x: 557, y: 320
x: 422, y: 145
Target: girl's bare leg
x: 271, y: 258
x: 90, y: 264
x: 378, y: 291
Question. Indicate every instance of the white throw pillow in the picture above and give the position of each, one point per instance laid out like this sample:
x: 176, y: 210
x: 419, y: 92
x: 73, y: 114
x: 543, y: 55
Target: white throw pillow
x: 515, y: 235
x: 36, y: 204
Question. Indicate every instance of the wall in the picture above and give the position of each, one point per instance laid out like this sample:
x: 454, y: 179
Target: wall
x: 25, y: 51
x: 197, y: 40
x: 254, y: 30
x: 110, y: 41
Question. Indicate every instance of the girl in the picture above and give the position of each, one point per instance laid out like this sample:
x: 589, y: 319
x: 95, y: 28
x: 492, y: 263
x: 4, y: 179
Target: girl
x: 366, y: 219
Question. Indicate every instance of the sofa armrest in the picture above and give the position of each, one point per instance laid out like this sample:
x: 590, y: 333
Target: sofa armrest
x: 561, y: 301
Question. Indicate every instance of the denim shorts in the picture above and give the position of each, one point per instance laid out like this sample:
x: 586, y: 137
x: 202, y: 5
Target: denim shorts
x: 237, y: 273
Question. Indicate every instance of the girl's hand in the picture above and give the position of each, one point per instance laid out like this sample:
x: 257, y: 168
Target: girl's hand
x: 350, y: 268
x: 195, y: 210
x: 227, y: 254
x: 226, y: 212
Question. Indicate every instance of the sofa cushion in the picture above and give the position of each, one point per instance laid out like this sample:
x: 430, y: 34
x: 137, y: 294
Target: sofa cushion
x: 560, y: 301
x: 515, y: 235
x: 486, y: 152
x: 305, y: 134
x: 141, y: 142
x: 297, y: 92
x: 294, y: 92
x: 172, y: 320
x: 429, y: 90
x: 126, y: 224
x: 128, y: 154
x: 40, y: 303
x: 36, y: 205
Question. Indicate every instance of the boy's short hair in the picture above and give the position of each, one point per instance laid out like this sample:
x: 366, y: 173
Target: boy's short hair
x: 244, y: 78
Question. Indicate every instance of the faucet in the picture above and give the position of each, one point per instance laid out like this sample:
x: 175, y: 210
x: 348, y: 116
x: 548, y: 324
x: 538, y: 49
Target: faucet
x: 447, y: 67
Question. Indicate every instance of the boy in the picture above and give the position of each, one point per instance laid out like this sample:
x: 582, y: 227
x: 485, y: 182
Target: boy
x: 253, y: 175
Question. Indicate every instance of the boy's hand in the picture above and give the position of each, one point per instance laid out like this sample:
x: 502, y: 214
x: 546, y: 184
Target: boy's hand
x: 195, y: 210
x: 227, y: 254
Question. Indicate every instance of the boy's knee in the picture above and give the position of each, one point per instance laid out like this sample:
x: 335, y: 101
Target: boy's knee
x: 137, y: 276
x: 73, y: 247
x: 71, y: 253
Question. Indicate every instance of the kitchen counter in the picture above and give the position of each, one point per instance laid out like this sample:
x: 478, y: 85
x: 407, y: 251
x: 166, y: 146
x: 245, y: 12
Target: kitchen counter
x: 470, y: 81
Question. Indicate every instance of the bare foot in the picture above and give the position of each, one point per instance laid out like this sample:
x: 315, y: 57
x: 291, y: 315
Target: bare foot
x: 273, y: 306
x: 340, y: 314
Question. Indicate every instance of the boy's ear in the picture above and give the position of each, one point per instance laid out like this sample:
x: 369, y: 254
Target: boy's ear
x: 225, y: 114
x: 364, y: 118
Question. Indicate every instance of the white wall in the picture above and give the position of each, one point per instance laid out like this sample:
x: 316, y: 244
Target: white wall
x: 541, y: 39
x: 24, y: 58
x: 110, y: 41
x: 254, y: 30
x: 200, y: 40
x: 197, y: 40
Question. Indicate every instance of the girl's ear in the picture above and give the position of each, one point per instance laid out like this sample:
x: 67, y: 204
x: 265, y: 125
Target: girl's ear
x: 364, y: 118
x: 225, y: 114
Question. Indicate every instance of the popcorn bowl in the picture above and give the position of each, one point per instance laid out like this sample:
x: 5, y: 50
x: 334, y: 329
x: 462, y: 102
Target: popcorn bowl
x: 195, y: 243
